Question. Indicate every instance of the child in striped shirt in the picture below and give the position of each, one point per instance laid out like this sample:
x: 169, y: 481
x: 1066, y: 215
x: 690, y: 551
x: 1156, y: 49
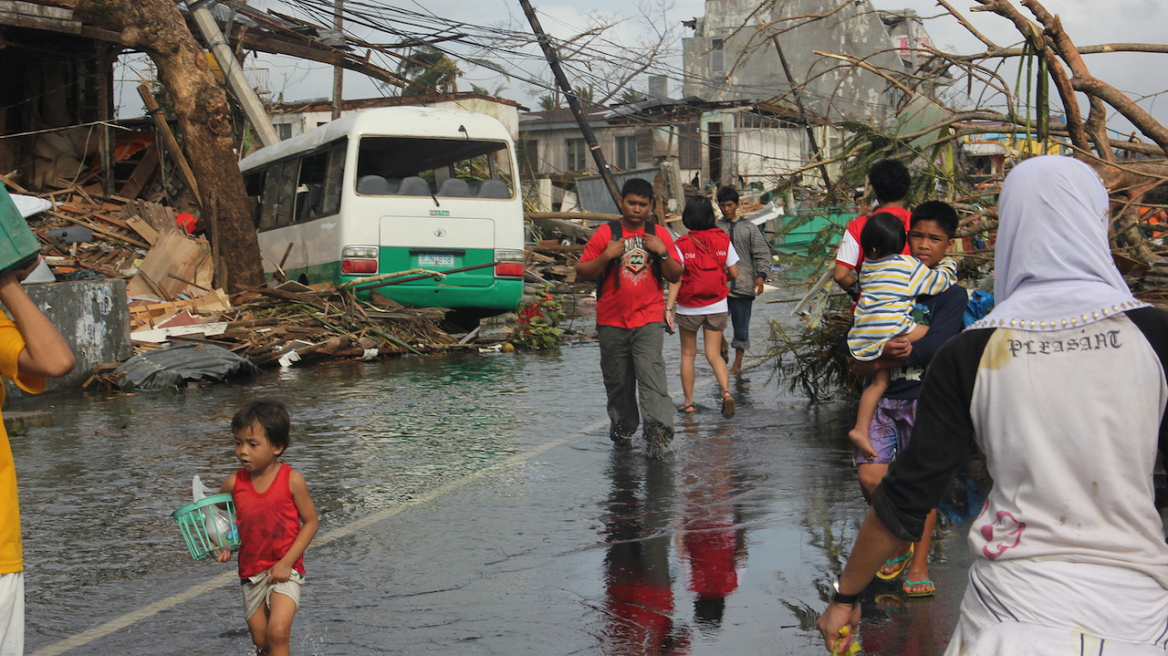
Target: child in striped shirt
x: 889, y: 282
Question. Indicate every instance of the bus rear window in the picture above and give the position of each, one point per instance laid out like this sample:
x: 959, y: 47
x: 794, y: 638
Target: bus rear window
x: 444, y: 168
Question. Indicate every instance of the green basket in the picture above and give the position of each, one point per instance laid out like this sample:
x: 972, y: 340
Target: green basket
x: 202, y: 532
x: 18, y: 245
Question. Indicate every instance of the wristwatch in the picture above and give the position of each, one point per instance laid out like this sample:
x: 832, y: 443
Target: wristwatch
x: 840, y: 598
x: 664, y: 255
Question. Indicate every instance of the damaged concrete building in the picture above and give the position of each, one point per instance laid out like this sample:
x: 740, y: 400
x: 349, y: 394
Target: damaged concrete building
x: 741, y: 50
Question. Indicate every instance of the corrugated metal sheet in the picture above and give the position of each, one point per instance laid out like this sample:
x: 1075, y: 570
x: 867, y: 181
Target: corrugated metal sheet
x: 593, y: 193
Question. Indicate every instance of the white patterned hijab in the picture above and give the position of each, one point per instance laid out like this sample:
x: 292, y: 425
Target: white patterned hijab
x: 1052, y: 260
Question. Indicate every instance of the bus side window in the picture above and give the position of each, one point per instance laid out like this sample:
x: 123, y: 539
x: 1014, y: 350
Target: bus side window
x: 254, y: 184
x: 287, y: 193
x: 269, y: 205
x: 333, y: 178
x: 310, y: 185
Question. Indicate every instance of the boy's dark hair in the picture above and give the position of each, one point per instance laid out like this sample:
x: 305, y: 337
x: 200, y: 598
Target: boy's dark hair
x: 883, y: 235
x: 638, y: 186
x: 727, y: 194
x: 939, y: 212
x: 698, y: 214
x: 890, y: 180
x: 271, y: 415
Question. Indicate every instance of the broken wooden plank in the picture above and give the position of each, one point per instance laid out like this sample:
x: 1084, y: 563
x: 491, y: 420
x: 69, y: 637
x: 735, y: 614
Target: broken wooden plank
x: 159, y: 335
x: 144, y: 229
x: 173, y: 254
x: 143, y: 173
x: 98, y: 229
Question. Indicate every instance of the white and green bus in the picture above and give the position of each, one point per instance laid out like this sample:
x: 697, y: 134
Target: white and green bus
x: 393, y: 189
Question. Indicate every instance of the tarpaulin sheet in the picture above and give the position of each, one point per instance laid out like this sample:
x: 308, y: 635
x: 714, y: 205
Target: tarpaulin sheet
x: 178, y: 365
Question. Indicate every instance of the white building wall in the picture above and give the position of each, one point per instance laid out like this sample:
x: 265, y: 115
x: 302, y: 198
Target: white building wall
x: 767, y: 153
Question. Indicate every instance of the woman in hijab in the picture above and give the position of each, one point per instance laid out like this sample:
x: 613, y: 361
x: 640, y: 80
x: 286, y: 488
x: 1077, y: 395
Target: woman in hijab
x: 1063, y: 388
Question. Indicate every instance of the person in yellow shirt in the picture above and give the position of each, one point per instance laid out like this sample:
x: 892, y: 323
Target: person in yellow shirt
x: 31, y: 349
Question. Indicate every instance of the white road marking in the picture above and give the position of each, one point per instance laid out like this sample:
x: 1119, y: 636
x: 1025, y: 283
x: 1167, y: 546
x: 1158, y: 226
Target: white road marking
x: 149, y: 610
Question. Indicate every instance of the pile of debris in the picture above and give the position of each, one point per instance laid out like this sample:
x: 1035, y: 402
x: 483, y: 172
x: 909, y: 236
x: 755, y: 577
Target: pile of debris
x: 172, y: 300
x: 289, y: 323
x: 551, y: 263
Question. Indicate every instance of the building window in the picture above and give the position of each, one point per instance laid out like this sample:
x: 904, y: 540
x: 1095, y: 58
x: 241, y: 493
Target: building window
x: 626, y: 153
x: 717, y: 56
x: 284, y: 131
x: 577, y: 151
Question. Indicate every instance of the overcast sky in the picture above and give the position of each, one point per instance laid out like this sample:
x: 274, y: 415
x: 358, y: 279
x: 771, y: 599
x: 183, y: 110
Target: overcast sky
x: 1087, y: 23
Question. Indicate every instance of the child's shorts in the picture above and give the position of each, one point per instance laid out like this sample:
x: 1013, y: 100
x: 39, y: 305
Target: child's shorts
x: 691, y: 323
x: 889, y: 432
x: 257, y: 590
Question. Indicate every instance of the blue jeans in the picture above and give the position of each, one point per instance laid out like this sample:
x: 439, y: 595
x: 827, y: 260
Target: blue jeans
x: 740, y: 316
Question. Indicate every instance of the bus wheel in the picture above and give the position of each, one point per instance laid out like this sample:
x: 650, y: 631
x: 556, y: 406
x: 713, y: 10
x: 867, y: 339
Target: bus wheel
x: 303, y: 279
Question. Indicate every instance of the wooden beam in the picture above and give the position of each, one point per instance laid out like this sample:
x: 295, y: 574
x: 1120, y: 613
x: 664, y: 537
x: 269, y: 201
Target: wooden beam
x: 169, y: 141
x: 143, y: 173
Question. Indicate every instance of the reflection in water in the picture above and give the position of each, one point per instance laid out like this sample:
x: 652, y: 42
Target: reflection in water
x: 895, y: 625
x: 643, y: 508
x: 639, y: 601
x: 714, y: 548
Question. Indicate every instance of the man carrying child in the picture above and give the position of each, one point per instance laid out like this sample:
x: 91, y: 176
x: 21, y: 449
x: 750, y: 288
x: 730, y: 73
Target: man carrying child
x: 933, y: 225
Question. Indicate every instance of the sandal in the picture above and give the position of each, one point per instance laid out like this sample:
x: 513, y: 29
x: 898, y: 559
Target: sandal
x: 688, y: 408
x: 727, y: 405
x: 927, y: 592
x: 900, y: 563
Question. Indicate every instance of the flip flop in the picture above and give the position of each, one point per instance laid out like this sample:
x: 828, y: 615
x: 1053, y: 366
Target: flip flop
x: 727, y: 405
x: 688, y: 408
x: 902, y: 561
x: 929, y: 592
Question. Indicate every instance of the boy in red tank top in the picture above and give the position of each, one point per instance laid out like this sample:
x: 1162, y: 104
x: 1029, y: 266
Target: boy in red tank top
x: 276, y: 520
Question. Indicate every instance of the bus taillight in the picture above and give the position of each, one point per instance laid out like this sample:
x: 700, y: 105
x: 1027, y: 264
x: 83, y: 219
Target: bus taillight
x: 509, y: 263
x: 358, y: 259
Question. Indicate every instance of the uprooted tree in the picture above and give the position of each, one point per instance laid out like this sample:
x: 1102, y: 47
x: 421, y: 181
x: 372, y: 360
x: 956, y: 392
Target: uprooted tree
x: 157, y: 28
x: 1054, y: 64
x: 1055, y: 72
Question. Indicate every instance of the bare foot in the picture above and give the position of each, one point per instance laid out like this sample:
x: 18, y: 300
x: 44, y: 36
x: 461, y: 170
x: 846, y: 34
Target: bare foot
x: 736, y: 368
x: 860, y: 440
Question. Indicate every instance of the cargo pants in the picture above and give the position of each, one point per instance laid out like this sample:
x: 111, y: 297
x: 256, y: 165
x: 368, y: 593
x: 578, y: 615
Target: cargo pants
x: 630, y: 358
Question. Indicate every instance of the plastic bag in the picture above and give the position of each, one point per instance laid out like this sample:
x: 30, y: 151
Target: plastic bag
x: 215, y: 519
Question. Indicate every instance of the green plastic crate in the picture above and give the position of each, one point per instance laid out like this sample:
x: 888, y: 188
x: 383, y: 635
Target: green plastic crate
x: 18, y: 246
x: 199, y: 527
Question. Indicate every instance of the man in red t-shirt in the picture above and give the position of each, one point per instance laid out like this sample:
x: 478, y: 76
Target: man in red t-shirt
x: 889, y: 180
x: 630, y: 316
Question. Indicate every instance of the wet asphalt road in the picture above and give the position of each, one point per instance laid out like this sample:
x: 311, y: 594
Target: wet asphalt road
x: 470, y: 504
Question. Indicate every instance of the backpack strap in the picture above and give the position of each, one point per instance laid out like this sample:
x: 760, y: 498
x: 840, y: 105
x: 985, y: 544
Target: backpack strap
x: 614, y: 227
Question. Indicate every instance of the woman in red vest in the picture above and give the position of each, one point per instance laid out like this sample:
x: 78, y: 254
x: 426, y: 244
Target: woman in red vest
x: 699, y: 300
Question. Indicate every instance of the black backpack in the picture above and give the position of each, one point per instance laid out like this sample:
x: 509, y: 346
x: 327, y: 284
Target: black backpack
x: 617, y: 231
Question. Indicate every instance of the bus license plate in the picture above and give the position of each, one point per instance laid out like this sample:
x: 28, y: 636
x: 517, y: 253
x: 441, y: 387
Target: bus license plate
x: 435, y: 260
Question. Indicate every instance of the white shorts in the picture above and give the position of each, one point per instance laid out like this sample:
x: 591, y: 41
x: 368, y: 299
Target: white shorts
x: 257, y: 591
x: 12, y: 614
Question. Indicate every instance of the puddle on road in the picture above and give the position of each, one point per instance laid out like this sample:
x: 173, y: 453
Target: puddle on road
x: 725, y: 548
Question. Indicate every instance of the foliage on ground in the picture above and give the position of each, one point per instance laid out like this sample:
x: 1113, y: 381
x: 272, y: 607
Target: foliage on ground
x: 536, y: 328
x: 814, y: 358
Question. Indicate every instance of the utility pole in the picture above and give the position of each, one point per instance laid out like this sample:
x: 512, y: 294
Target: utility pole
x: 338, y: 72
x: 573, y: 103
x: 232, y: 72
x: 795, y: 89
